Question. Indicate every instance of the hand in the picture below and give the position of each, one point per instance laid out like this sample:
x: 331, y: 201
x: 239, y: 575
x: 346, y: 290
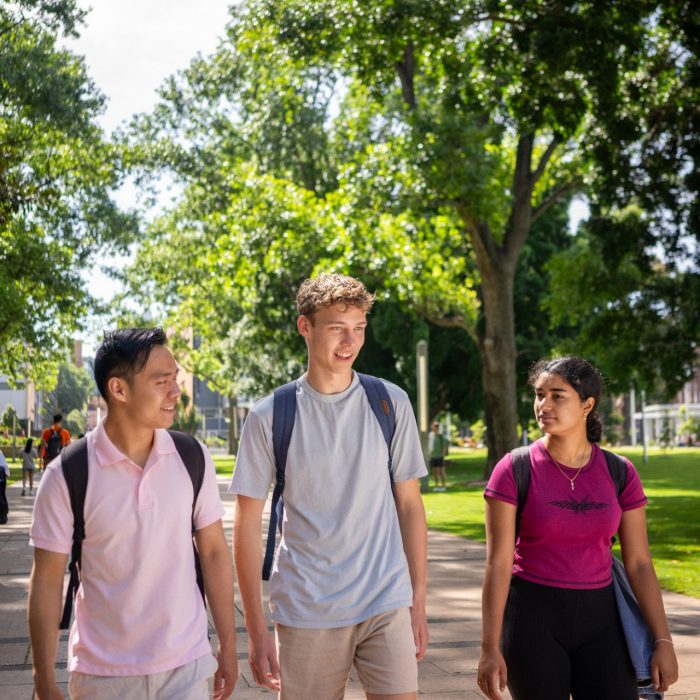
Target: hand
x: 48, y: 691
x: 492, y: 674
x: 664, y: 666
x: 419, y: 623
x: 226, y: 675
x: 262, y: 657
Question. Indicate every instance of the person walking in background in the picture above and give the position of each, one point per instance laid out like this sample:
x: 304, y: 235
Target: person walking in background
x: 140, y: 627
x: 53, y: 440
x: 437, y: 447
x: 28, y: 455
x: 4, y: 476
x: 551, y: 626
x: 348, y: 584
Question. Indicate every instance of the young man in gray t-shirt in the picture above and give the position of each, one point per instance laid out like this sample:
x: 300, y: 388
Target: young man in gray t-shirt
x: 348, y: 583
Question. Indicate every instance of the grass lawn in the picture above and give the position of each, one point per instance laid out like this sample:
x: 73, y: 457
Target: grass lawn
x: 671, y: 481
x: 224, y: 464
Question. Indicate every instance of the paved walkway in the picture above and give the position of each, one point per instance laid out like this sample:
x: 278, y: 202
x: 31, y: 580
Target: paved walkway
x: 448, y: 671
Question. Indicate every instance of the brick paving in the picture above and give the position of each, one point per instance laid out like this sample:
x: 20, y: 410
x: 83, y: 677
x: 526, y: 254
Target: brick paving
x: 447, y: 672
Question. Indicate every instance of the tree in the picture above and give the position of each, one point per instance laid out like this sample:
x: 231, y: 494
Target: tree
x: 186, y: 418
x: 501, y: 109
x: 432, y: 135
x: 73, y: 388
x: 56, y: 172
x: 633, y: 313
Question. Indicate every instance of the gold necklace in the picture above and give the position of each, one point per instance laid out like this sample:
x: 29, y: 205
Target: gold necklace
x: 561, y: 471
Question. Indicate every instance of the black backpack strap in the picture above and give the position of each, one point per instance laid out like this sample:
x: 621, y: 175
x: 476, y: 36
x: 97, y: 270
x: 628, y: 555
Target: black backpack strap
x: 192, y: 457
x: 383, y: 409
x: 618, y: 473
x: 74, y: 462
x: 618, y: 470
x: 521, y: 473
x: 284, y: 409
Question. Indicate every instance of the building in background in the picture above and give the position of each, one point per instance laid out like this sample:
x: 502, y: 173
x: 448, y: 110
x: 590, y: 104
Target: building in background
x: 24, y: 400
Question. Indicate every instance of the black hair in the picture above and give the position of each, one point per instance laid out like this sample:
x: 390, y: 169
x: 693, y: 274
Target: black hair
x: 58, y: 417
x: 124, y: 353
x: 28, y: 445
x: 583, y: 377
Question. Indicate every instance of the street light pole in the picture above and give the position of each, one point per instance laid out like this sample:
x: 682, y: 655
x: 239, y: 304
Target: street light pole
x: 422, y: 403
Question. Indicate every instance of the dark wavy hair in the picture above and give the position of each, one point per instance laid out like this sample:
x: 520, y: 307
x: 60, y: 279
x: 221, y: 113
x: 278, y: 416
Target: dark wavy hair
x: 124, y: 353
x: 583, y: 377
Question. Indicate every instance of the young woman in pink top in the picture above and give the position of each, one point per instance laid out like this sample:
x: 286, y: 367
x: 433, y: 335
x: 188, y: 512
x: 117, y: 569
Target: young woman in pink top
x: 550, y: 624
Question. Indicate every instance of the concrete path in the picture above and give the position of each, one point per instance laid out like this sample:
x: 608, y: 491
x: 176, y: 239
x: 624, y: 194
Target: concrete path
x: 448, y: 671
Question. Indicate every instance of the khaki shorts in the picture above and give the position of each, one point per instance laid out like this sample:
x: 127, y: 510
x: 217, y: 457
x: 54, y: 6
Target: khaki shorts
x: 188, y: 682
x: 316, y: 663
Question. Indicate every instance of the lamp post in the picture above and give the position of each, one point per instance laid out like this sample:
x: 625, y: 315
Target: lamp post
x: 422, y: 403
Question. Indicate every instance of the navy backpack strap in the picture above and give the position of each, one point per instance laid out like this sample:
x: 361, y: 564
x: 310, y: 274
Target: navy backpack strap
x: 74, y: 462
x: 521, y: 473
x: 192, y: 457
x: 383, y: 409
x: 284, y: 409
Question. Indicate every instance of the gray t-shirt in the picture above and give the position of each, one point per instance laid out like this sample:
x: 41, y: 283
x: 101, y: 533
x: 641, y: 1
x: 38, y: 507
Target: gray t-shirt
x: 340, y: 560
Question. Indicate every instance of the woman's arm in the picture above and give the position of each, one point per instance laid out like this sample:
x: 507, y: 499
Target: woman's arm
x: 500, y: 546
x: 642, y: 578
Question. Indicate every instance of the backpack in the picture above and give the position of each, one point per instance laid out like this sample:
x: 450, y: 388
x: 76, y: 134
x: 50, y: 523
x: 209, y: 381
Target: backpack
x: 283, y: 415
x: 521, y: 473
x: 54, y: 444
x: 75, y: 471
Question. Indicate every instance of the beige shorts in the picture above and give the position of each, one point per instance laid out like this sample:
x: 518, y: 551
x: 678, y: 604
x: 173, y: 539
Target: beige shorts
x: 316, y: 663
x: 188, y: 682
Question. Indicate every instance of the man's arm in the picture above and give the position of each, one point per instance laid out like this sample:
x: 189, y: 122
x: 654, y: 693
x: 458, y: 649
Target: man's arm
x: 247, y: 553
x: 217, y: 570
x: 414, y: 532
x: 44, y: 612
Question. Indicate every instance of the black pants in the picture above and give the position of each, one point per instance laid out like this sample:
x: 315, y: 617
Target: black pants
x: 559, y: 642
x: 4, y: 507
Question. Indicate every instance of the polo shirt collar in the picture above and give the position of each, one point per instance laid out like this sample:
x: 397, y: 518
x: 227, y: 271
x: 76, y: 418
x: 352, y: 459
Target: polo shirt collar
x: 107, y: 452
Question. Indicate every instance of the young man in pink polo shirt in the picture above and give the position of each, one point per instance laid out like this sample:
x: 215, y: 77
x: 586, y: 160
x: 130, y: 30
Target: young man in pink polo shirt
x: 140, y: 628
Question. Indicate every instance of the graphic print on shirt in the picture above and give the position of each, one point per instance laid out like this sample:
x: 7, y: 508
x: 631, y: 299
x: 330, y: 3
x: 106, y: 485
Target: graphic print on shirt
x: 578, y: 506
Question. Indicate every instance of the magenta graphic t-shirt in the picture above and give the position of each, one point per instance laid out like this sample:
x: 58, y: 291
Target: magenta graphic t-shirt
x: 564, y: 537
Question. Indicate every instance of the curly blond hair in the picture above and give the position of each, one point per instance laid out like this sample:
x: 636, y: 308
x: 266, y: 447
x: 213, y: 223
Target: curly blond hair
x: 328, y: 290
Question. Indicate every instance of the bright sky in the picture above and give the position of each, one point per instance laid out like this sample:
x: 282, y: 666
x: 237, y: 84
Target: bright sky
x: 131, y: 47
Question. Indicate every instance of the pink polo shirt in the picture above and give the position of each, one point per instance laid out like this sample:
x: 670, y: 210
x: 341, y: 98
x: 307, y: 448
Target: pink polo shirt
x: 138, y: 610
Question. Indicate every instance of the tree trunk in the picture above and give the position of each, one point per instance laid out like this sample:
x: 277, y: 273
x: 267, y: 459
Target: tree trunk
x: 497, y: 350
x: 232, y: 425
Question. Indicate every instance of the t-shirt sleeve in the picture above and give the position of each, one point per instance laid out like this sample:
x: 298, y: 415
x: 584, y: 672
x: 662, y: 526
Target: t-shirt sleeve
x: 407, y: 461
x: 255, y: 462
x: 52, y: 524
x: 501, y: 485
x: 632, y: 495
x: 208, y: 508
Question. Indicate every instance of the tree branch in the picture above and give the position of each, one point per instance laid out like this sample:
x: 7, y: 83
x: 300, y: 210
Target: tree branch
x: 544, y: 160
x: 521, y: 209
x: 563, y: 189
x: 480, y: 235
x: 451, y: 322
x: 406, y: 70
